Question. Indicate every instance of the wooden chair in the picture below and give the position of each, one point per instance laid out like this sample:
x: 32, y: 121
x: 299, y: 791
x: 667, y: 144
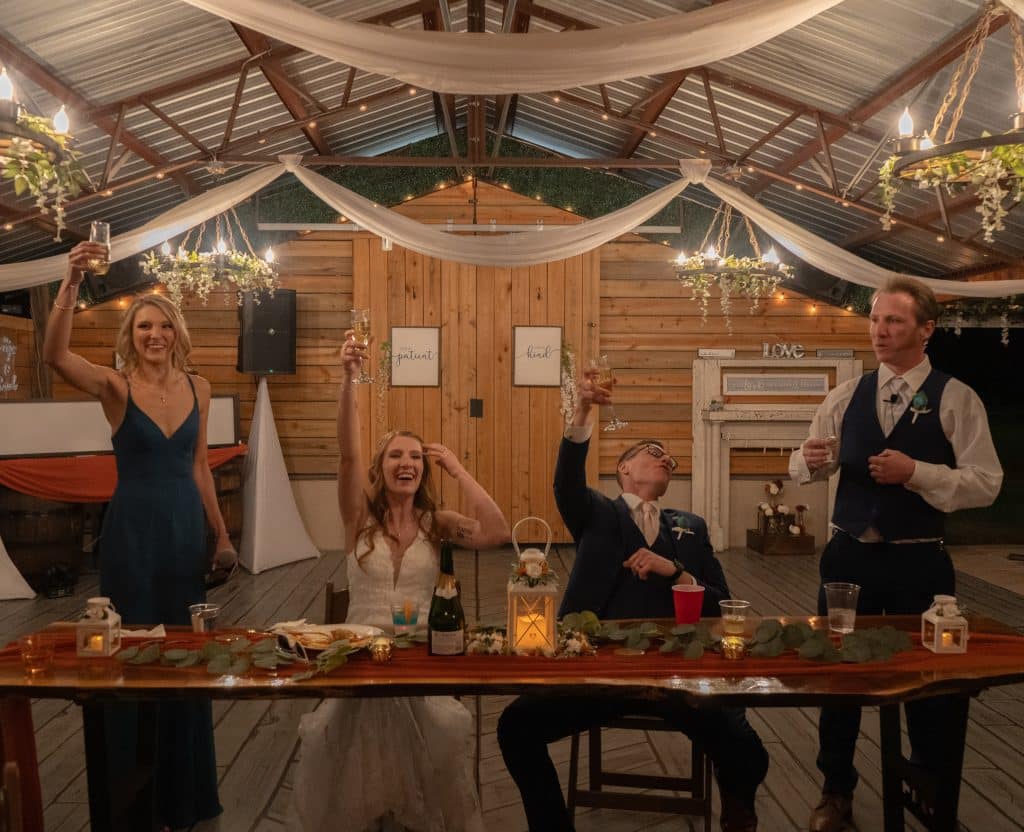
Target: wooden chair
x: 10, y: 799
x: 696, y: 787
x: 335, y: 604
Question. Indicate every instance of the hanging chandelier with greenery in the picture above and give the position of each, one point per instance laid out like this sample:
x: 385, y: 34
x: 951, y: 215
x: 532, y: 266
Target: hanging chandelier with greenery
x: 754, y: 277
x: 191, y: 272
x: 991, y: 165
x: 36, y: 156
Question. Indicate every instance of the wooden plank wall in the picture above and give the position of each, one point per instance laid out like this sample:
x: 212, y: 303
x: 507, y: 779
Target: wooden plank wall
x: 511, y: 449
x: 622, y: 299
x: 19, y: 332
x: 651, y: 329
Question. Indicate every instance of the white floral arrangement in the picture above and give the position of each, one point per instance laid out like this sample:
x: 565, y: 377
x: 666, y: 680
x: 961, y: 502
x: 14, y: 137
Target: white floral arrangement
x: 567, y: 406
x: 573, y: 643
x: 532, y: 569
x: 486, y: 641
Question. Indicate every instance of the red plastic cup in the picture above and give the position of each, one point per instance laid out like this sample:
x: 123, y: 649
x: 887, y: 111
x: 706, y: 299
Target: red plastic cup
x: 687, y: 600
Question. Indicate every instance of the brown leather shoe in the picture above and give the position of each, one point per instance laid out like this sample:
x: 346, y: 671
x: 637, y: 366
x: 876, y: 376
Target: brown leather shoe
x: 833, y: 814
x: 738, y: 814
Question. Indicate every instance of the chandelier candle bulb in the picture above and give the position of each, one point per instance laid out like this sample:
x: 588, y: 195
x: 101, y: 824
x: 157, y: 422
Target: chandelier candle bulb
x: 61, y: 124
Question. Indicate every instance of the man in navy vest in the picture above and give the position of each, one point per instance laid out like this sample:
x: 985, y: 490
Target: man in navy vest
x: 911, y: 444
x: 629, y: 553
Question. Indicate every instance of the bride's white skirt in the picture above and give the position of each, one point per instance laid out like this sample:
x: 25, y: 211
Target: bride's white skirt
x: 388, y: 764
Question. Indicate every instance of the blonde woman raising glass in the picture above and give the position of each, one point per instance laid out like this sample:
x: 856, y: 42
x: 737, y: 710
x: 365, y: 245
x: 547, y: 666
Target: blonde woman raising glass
x: 393, y: 764
x: 153, y: 543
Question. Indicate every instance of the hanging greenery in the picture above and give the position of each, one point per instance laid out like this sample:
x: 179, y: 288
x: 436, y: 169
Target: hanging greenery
x: 42, y: 165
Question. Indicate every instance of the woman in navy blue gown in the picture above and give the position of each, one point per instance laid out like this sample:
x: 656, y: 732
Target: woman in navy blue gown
x: 153, y: 544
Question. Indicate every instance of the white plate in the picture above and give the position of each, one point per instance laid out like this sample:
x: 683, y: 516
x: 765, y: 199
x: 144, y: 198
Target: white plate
x: 307, y: 635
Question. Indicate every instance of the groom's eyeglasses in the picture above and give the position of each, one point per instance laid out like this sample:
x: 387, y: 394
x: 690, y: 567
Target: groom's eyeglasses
x: 654, y: 450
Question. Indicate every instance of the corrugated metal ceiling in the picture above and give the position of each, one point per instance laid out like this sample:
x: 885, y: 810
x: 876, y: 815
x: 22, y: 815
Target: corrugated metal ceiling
x: 108, y: 51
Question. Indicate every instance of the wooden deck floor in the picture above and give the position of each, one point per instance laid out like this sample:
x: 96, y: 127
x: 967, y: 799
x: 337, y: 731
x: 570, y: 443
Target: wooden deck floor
x: 256, y: 741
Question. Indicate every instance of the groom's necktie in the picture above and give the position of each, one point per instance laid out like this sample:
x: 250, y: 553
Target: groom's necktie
x: 649, y: 513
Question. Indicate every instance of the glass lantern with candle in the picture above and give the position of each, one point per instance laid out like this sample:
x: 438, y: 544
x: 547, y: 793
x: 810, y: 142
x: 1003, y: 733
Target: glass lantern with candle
x: 943, y: 626
x: 98, y: 633
x: 532, y: 589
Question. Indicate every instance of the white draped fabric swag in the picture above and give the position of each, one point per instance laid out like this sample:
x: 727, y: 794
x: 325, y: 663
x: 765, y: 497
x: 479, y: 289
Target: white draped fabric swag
x: 473, y: 63
x: 519, y: 249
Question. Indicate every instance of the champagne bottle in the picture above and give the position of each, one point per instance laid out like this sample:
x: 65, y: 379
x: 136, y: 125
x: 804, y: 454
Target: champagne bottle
x: 446, y: 623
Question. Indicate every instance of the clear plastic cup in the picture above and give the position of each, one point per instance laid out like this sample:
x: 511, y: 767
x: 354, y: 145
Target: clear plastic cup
x: 204, y: 617
x: 37, y: 653
x: 841, y: 600
x: 404, y: 616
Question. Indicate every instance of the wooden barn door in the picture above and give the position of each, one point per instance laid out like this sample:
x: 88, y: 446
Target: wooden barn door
x: 510, y: 449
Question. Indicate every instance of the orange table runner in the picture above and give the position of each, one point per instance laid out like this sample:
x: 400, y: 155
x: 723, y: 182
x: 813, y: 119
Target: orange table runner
x: 990, y: 655
x: 79, y: 479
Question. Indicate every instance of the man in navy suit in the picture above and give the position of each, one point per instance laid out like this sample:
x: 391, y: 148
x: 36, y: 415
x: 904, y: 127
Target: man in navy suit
x: 629, y: 553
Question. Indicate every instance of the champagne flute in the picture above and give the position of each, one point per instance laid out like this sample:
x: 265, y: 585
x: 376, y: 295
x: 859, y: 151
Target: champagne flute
x: 602, y: 366
x: 361, y: 333
x: 99, y: 232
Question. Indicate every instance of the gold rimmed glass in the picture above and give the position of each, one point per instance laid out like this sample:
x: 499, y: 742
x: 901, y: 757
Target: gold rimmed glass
x: 606, y: 378
x: 361, y: 333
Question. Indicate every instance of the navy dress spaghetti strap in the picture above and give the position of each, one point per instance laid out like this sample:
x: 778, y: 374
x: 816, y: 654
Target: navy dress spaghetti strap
x: 152, y: 563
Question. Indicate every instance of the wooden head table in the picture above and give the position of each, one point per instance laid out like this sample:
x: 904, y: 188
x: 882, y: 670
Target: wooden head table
x: 995, y: 657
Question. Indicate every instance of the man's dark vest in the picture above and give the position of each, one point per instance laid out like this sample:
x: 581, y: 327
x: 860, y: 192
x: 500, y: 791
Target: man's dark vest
x: 896, y: 512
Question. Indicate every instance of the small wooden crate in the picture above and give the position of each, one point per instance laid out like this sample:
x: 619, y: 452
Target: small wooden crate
x: 780, y: 544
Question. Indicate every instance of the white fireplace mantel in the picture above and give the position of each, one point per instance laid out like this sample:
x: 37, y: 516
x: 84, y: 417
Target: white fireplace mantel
x: 718, y: 427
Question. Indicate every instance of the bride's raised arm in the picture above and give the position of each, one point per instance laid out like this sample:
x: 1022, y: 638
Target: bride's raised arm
x: 486, y: 526
x: 353, y: 483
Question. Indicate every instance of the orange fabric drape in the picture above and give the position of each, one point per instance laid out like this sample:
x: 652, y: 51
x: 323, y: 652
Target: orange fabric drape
x: 79, y: 479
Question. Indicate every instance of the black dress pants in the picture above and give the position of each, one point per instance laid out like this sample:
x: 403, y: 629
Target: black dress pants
x: 531, y: 722
x: 898, y: 579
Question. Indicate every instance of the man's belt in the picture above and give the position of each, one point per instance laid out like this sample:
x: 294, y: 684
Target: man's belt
x: 872, y: 536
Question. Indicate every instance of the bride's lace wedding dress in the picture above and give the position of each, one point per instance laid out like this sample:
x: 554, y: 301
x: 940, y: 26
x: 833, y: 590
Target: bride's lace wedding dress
x: 386, y: 764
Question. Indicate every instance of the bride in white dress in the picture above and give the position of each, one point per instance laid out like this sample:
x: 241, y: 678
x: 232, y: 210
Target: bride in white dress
x: 402, y: 763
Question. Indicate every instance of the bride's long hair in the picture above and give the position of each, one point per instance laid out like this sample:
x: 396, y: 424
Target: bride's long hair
x: 424, y: 501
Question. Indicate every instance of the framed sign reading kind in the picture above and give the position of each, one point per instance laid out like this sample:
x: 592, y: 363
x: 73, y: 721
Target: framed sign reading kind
x: 538, y: 356
x: 415, y: 356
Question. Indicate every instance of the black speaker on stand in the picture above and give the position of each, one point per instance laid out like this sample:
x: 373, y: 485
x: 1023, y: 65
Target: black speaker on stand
x: 266, y: 333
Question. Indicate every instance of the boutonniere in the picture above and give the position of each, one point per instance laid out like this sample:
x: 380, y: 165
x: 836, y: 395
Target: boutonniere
x: 680, y: 528
x: 919, y: 405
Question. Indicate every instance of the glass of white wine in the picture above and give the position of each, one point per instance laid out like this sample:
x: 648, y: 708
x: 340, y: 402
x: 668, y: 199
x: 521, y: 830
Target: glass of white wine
x: 99, y: 232
x: 605, y: 378
x: 361, y: 332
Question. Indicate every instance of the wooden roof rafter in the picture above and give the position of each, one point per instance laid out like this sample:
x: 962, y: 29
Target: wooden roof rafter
x: 287, y: 91
x: 26, y: 65
x: 515, y: 18
x: 436, y: 18
x: 653, y: 104
x: 920, y: 70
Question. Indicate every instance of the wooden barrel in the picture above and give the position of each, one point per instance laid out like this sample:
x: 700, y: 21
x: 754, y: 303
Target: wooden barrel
x: 43, y: 538
x: 227, y: 480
